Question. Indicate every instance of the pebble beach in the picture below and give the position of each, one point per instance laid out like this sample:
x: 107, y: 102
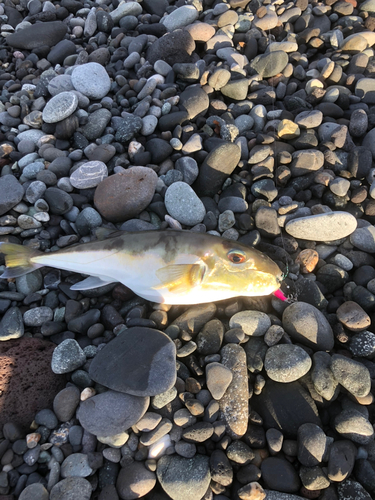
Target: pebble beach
x: 250, y: 120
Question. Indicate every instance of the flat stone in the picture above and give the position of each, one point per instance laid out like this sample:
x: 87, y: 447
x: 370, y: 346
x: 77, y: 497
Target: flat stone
x: 123, y: 196
x: 352, y: 424
x: 353, y: 317
x: 363, y: 238
x: 125, y: 9
x: 253, y: 323
x: 135, y: 481
x: 111, y: 413
x: 187, y: 478
x: 286, y: 363
x: 89, y: 175
x: 11, y: 193
x: 218, y: 378
x: 183, y: 204
x: 37, y: 35
x: 76, y: 487
x: 60, y: 107
x: 175, y: 47
x: 352, y: 375
x: 91, y: 80
x: 322, y: 227
x: 365, y: 89
x: 306, y: 324
x: 139, y: 361
x: 234, y: 403
x: 76, y: 465
x: 180, y: 17
x: 267, y: 65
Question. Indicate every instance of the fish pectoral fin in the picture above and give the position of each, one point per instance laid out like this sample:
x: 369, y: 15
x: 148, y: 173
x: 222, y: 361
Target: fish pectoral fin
x: 179, y: 277
x: 91, y: 282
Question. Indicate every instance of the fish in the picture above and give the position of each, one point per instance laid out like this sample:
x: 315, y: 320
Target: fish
x: 163, y: 266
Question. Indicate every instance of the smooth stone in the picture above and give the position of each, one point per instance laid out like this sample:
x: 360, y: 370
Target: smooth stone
x: 37, y: 316
x: 91, y: 80
x: 97, y: 122
x: 353, y: 425
x: 125, y: 9
x: 60, y: 107
x: 286, y: 363
x: 365, y: 89
x: 233, y: 405
x: 322, y: 377
x: 37, y: 35
x: 112, y: 201
x: 89, y: 175
x: 11, y: 324
x: 139, y: 361
x: 279, y: 474
x: 33, y: 491
x: 175, y: 47
x: 67, y: 356
x: 268, y: 65
x: 180, y: 17
x: 322, y: 227
x: 352, y: 375
x: 76, y: 465
x: 353, y: 317
x: 216, y: 167
x: 192, y: 474
x: 363, y: 238
x: 218, y: 378
x: 183, y: 204
x: 342, y: 455
x: 71, y: 487
x: 306, y: 324
x: 135, y: 481
x: 111, y: 413
x: 11, y: 193
x: 312, y: 445
x: 253, y: 323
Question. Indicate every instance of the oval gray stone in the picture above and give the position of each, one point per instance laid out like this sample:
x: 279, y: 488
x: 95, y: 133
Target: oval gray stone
x: 111, y: 413
x: 286, y: 363
x: 89, y: 175
x: 60, y: 107
x: 187, y: 478
x: 76, y: 465
x: 322, y: 227
x: 183, y: 204
x: 71, y: 487
x: 91, y: 80
x: 139, y: 361
x: 306, y: 324
x: 253, y: 323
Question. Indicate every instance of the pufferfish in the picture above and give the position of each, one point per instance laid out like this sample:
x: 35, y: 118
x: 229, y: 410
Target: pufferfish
x: 171, y: 267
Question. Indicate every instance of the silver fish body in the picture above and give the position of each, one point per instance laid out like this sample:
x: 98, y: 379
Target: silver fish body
x: 174, y: 267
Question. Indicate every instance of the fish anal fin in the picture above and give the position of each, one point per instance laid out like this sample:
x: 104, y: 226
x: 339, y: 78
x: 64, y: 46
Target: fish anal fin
x: 92, y: 282
x: 179, y: 277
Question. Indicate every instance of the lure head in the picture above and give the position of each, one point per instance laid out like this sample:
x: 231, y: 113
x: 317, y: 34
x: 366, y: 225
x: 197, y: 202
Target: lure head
x: 241, y: 269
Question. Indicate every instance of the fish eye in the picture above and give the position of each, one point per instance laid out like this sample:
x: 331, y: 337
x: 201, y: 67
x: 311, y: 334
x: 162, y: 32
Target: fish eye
x: 236, y: 256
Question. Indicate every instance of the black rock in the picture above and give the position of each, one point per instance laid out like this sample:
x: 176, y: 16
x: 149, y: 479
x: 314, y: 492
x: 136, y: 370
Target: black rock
x: 60, y: 51
x: 37, y: 35
x: 160, y: 150
x: 175, y: 47
x: 285, y: 407
x: 59, y: 201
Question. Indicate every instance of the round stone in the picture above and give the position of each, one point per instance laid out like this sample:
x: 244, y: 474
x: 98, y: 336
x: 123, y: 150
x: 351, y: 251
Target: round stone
x: 286, y: 363
x: 111, y: 413
x: 123, y: 196
x: 135, y: 481
x: 91, y: 80
x: 71, y: 487
x: 193, y: 476
x: 60, y: 107
x: 89, y: 175
x: 253, y: 323
x: 183, y: 204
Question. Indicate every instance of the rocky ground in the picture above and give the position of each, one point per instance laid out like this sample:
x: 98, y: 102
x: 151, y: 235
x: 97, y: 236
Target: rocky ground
x: 253, y: 120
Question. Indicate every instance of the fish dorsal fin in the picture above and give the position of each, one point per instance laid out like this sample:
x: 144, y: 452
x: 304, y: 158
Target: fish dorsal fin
x: 179, y: 277
x: 92, y: 282
x: 102, y: 233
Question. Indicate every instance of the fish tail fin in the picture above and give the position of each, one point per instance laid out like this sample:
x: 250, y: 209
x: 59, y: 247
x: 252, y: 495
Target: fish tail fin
x: 18, y: 259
